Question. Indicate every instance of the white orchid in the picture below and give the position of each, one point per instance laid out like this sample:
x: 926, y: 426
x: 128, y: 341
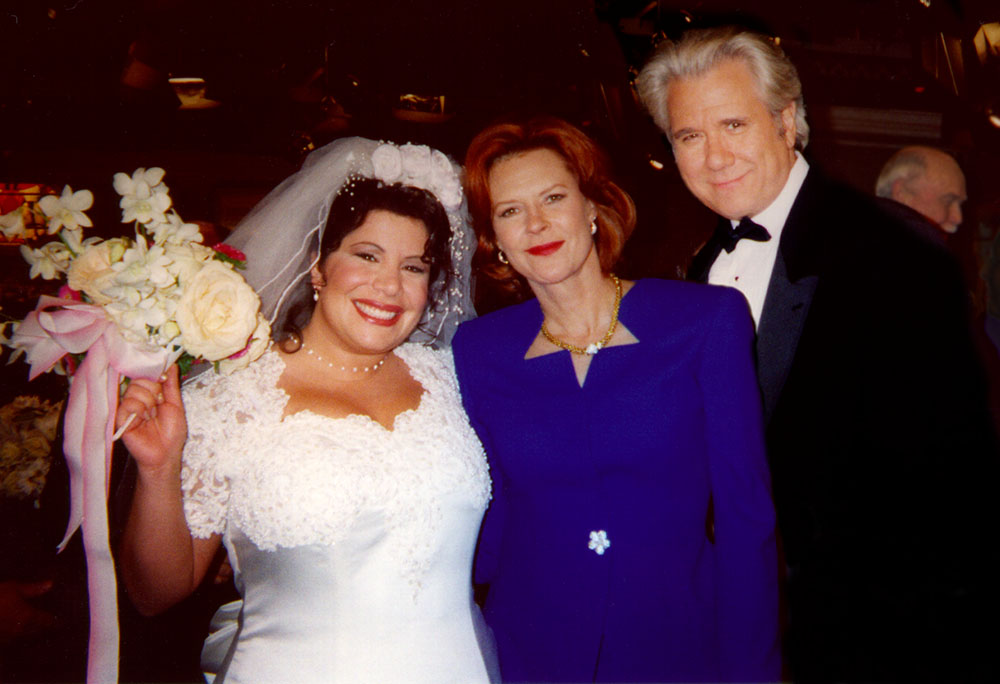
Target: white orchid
x: 124, y: 296
x: 141, y: 181
x: 67, y: 210
x: 49, y: 261
x: 175, y: 232
x: 156, y: 310
x: 12, y: 224
x: 144, y: 198
x: 73, y: 238
x: 141, y: 264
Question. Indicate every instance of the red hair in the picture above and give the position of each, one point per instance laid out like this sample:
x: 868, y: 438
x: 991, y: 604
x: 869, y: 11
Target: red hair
x: 585, y: 160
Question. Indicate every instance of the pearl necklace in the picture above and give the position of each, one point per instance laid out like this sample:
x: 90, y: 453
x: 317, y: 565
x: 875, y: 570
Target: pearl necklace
x: 593, y: 347
x: 364, y: 369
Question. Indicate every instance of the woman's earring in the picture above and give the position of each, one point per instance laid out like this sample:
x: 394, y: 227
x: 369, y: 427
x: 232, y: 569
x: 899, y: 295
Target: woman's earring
x: 593, y: 226
x: 501, y: 257
x: 315, y: 294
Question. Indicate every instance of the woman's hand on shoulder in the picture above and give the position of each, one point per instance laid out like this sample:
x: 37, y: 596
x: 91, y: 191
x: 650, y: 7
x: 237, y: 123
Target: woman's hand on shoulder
x: 156, y: 435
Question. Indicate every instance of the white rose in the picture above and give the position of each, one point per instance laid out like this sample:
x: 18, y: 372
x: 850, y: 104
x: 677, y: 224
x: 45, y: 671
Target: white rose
x: 450, y: 195
x: 258, y: 344
x: 416, y: 163
x: 387, y: 163
x: 217, y: 312
x: 91, y: 272
x: 445, y: 182
x: 442, y: 171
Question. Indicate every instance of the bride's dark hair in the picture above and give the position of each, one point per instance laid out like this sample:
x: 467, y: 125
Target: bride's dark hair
x: 350, y: 208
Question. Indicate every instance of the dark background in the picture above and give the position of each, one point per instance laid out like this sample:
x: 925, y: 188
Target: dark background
x: 84, y: 94
x: 288, y: 74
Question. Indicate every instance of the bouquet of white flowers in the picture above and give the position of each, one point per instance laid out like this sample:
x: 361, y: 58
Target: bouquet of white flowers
x: 163, y: 290
x: 130, y: 307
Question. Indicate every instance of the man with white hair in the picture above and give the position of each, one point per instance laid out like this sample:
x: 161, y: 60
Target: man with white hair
x: 879, y: 438
x: 928, y: 181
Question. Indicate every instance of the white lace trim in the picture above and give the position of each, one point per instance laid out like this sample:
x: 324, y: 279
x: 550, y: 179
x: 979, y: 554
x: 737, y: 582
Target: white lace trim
x: 307, y: 478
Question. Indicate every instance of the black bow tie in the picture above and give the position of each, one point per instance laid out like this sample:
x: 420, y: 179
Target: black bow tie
x: 729, y: 236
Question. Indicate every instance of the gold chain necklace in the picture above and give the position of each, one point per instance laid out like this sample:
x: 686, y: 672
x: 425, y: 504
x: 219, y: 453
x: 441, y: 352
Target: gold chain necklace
x: 593, y: 347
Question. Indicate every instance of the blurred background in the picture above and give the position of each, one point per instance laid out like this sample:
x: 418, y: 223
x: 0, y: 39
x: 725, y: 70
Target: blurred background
x: 86, y: 89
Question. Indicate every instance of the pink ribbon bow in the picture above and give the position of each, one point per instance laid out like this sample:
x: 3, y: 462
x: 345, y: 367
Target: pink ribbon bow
x: 57, y: 327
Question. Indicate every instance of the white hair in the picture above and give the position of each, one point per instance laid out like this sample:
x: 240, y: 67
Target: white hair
x: 907, y: 165
x: 700, y: 50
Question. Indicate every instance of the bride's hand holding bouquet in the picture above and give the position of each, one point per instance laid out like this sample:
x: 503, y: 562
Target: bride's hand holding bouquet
x: 129, y: 309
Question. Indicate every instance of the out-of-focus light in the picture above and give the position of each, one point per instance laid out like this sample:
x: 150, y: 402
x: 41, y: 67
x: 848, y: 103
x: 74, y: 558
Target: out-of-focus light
x: 993, y: 115
x: 777, y: 41
x: 919, y: 89
x: 925, y: 3
x: 987, y: 41
x: 191, y: 92
x: 658, y: 165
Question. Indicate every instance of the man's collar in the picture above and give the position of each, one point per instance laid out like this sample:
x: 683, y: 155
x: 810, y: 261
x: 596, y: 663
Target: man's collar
x: 774, y: 216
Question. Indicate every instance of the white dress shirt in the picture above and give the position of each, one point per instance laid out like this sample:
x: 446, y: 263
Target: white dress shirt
x: 748, y: 267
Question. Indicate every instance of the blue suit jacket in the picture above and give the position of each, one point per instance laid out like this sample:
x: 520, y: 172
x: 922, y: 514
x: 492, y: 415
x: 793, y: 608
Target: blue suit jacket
x: 662, y: 450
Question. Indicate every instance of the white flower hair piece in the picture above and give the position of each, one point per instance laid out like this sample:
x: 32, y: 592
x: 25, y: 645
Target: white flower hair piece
x: 421, y: 167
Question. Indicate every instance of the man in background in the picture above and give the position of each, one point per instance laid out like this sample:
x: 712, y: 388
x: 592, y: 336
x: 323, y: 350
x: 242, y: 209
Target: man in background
x: 928, y: 181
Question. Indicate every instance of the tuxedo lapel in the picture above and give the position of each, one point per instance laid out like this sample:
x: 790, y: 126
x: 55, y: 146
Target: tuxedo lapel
x: 790, y: 291
x: 782, y: 319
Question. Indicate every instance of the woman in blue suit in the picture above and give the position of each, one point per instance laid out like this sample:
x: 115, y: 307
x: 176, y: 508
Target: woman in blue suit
x: 631, y: 536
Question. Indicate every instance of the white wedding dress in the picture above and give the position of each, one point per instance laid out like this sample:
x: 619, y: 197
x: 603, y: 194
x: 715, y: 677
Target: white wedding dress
x: 351, y: 544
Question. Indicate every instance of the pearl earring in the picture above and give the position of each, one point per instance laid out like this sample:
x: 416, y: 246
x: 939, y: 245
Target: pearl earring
x: 316, y: 294
x: 593, y: 226
x: 501, y: 257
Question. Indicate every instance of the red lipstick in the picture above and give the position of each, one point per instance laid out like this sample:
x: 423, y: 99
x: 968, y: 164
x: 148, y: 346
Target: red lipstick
x: 546, y: 249
x: 378, y: 314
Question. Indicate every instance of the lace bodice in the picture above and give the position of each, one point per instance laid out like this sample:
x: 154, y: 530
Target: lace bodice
x: 307, y: 478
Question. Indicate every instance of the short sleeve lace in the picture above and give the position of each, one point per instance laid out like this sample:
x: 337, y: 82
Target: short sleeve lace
x: 306, y: 478
x: 219, y: 409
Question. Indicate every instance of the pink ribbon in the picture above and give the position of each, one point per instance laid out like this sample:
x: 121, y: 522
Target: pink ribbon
x: 57, y: 327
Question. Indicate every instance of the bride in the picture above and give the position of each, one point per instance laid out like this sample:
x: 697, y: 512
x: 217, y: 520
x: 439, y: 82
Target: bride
x: 339, y: 469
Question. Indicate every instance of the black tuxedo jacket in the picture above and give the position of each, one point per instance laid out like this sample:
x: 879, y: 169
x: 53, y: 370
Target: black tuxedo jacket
x: 882, y: 453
